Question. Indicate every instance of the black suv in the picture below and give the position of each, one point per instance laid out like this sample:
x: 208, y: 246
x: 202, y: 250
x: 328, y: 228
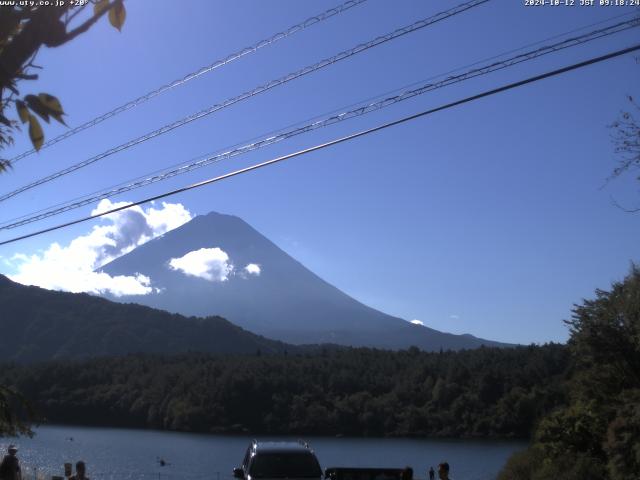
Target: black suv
x: 271, y: 460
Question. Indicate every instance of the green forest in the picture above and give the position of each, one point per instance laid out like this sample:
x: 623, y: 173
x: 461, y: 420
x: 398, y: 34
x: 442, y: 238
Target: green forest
x: 475, y: 393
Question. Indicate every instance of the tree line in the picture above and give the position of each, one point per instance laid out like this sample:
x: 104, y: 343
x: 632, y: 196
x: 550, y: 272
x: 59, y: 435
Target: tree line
x: 487, y: 392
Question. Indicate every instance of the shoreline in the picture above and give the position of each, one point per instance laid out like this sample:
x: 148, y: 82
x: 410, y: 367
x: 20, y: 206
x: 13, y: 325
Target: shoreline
x: 479, y: 439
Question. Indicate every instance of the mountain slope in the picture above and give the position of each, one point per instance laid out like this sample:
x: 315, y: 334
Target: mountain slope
x: 285, y: 301
x: 38, y: 324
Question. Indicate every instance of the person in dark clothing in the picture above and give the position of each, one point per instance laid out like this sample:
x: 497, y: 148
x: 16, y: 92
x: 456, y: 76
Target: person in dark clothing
x: 407, y: 473
x: 432, y: 473
x: 443, y: 471
x: 81, y: 470
x: 10, y: 466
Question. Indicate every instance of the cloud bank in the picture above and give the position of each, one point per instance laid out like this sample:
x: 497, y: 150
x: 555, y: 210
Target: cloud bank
x: 71, y: 268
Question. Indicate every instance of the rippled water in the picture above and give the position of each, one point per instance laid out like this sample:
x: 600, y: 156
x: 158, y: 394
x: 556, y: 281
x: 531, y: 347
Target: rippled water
x: 133, y: 454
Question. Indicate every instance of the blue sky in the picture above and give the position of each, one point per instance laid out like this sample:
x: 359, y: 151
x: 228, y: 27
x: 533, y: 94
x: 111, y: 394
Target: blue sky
x: 488, y: 219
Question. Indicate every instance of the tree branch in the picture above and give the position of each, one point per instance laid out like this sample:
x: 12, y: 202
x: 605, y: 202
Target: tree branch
x: 87, y: 24
x: 626, y: 210
x: 74, y: 14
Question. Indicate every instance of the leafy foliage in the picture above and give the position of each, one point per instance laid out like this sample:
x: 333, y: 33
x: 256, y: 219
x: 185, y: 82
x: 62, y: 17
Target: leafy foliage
x: 473, y: 393
x: 596, y: 434
x: 16, y: 413
x: 24, y: 29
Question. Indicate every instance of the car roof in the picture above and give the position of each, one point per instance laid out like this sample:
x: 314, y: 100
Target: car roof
x: 280, y: 447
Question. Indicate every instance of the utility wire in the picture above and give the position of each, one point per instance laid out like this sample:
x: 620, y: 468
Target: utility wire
x: 346, y: 138
x: 190, y: 76
x: 519, y: 49
x: 318, y: 123
x: 256, y: 91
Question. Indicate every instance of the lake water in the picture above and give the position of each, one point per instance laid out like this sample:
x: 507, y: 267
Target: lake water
x: 133, y: 454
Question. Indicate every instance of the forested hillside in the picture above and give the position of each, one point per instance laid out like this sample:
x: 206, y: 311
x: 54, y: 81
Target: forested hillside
x: 474, y: 393
x: 39, y: 324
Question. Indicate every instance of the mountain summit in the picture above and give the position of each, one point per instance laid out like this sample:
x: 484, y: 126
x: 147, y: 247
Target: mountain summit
x: 219, y: 265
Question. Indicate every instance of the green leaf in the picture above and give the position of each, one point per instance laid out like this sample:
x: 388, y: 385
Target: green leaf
x: 58, y: 117
x: 51, y: 102
x: 23, y: 111
x: 100, y: 6
x: 35, y: 132
x: 37, y: 107
x: 117, y: 16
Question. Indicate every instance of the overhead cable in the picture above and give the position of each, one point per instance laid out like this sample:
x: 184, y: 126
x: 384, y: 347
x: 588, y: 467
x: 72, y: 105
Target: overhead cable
x: 337, y: 141
x: 192, y: 75
x: 360, y: 110
x: 256, y: 91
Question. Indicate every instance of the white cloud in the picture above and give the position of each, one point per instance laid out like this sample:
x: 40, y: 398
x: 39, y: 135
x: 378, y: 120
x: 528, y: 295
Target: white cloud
x: 134, y: 226
x: 454, y: 317
x: 211, y: 264
x: 417, y: 322
x: 253, y: 269
x: 71, y: 268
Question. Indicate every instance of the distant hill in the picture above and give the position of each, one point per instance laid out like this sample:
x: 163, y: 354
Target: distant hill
x: 282, y: 299
x: 38, y: 324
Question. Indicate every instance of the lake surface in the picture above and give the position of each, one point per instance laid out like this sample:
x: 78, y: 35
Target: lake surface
x: 133, y: 454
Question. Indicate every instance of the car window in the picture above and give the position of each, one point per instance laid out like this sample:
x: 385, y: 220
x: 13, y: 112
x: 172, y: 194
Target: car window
x: 285, y: 465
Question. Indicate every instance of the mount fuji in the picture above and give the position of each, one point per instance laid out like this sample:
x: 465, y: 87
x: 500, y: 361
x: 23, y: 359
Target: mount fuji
x: 219, y: 265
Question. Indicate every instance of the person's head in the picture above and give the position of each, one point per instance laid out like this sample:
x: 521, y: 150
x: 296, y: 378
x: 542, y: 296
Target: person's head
x: 443, y: 471
x: 81, y: 468
x: 407, y: 473
x: 12, y: 450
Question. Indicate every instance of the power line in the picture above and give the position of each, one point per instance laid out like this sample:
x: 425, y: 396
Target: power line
x: 256, y: 91
x: 201, y: 71
x: 523, y: 47
x: 346, y: 138
x: 361, y: 109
